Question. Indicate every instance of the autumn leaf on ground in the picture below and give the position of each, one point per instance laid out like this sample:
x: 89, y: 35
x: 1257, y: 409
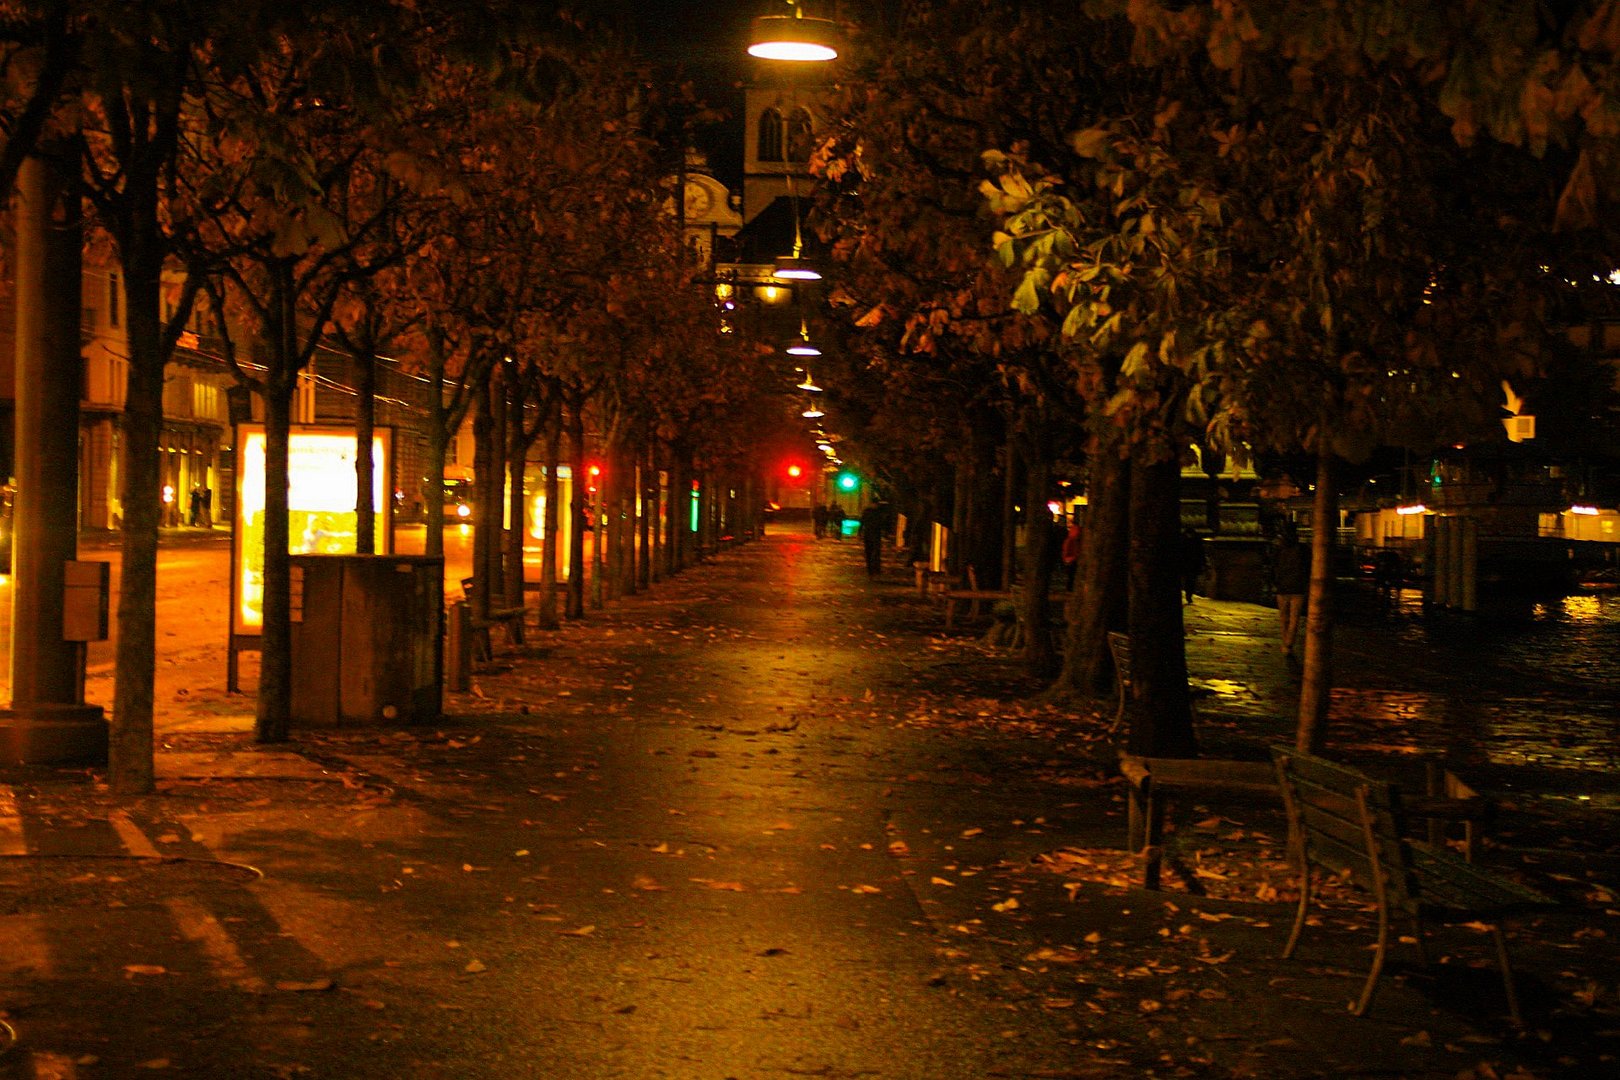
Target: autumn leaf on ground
x: 968, y: 834
x: 1009, y: 904
x: 581, y: 931
x: 645, y: 884
x: 726, y: 886
x: 146, y: 969
x: 474, y: 967
x: 942, y: 881
x: 305, y: 986
x: 866, y: 889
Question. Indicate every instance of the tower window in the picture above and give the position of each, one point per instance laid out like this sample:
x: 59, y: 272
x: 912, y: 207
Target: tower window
x: 770, y: 135
x: 799, y: 138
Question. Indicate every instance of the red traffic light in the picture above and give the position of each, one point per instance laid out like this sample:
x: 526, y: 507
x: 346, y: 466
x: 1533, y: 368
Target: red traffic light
x: 795, y: 471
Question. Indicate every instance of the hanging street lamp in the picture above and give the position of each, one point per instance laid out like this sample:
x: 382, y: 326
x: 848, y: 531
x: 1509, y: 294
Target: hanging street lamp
x: 793, y: 37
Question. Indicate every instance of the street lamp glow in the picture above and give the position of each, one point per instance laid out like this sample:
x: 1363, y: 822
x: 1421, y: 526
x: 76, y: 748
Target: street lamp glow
x: 793, y: 268
x: 793, y: 37
x: 812, y: 413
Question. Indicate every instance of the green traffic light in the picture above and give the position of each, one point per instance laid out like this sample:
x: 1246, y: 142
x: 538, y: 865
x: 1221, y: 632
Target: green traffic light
x: 848, y: 481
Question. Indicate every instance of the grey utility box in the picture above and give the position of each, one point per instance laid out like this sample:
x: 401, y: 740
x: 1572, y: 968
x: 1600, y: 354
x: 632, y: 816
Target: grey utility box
x: 366, y: 632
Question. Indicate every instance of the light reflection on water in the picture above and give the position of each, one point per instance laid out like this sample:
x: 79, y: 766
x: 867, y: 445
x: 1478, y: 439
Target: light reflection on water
x: 1520, y: 683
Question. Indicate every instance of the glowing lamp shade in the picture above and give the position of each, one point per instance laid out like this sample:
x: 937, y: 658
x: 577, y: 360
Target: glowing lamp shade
x: 812, y: 413
x: 793, y: 37
x: 803, y: 348
x: 793, y: 268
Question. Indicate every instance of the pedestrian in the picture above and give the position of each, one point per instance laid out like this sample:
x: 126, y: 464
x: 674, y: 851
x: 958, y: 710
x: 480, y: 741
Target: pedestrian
x: 208, y: 508
x: 1070, y: 552
x: 1192, y: 561
x: 874, y: 522
x: 1291, y: 573
x: 835, y: 521
x: 195, y: 507
x: 818, y: 518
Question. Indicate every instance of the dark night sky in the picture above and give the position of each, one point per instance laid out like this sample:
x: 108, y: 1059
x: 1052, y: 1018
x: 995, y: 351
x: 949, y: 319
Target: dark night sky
x: 705, y: 41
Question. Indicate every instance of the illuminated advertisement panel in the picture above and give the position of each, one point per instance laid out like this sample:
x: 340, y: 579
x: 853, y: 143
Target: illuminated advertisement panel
x: 320, y: 506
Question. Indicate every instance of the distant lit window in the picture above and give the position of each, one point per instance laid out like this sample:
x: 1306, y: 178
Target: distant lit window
x: 770, y: 135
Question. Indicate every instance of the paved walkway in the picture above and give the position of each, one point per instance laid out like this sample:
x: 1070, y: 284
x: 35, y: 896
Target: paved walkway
x: 765, y: 821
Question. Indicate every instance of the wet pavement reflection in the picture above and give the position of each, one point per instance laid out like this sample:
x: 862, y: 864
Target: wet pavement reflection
x: 1524, y: 683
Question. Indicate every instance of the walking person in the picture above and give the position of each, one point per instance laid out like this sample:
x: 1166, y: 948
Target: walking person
x: 1192, y: 560
x: 1291, y: 572
x: 874, y: 522
x: 1070, y: 553
x: 835, y: 521
x: 818, y: 518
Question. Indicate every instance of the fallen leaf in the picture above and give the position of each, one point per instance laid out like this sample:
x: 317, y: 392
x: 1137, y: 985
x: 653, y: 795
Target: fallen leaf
x: 1009, y: 904
x: 303, y: 986
x: 942, y: 881
x: 866, y: 889
x: 582, y: 931
x: 474, y: 967
x: 968, y: 834
x: 146, y: 969
x: 645, y: 884
x: 727, y: 886
x: 1419, y: 1038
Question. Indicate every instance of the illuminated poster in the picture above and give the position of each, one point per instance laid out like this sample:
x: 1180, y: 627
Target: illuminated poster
x: 320, y: 505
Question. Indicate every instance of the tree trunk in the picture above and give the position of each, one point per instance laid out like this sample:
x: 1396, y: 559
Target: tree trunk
x: 130, y: 765
x: 1100, y: 600
x: 439, y: 436
x: 1317, y: 678
x: 1161, y: 724
x: 516, y: 460
x: 648, y: 568
x: 553, y: 520
x: 1040, y: 555
x: 500, y: 388
x: 1009, y: 513
x: 365, y: 424
x: 576, y: 538
x: 487, y: 505
x: 273, y: 718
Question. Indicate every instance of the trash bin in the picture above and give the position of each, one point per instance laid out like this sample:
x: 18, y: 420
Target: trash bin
x: 366, y: 632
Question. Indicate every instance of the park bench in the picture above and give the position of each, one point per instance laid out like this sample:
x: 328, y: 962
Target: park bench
x: 973, y: 596
x: 929, y: 581
x: 509, y: 619
x: 1346, y: 822
x: 1119, y: 651
x: 1151, y: 781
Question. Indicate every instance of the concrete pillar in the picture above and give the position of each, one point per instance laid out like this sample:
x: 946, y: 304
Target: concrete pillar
x: 48, y: 721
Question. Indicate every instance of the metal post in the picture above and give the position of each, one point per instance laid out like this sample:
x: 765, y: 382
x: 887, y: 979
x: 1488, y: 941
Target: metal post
x: 458, y: 649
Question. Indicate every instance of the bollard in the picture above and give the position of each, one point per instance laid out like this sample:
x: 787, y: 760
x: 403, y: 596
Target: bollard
x: 458, y: 646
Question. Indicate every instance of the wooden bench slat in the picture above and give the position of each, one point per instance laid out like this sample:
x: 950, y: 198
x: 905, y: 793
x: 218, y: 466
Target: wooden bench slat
x: 1341, y: 819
